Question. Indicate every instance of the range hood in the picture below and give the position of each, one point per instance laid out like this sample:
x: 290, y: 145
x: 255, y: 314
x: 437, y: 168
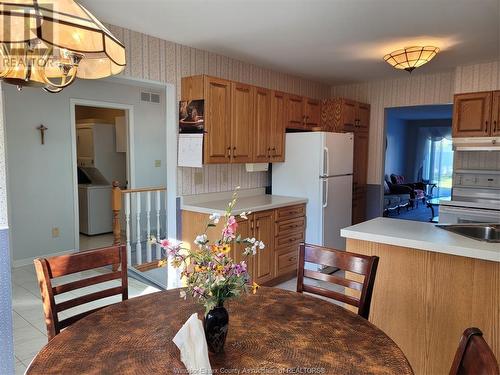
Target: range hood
x: 476, y: 144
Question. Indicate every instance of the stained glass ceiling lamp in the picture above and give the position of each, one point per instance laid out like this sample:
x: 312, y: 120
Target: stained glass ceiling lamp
x: 411, y: 58
x: 50, y: 43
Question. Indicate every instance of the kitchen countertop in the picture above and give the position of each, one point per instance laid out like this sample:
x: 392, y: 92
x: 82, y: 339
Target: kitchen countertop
x: 422, y: 236
x: 248, y: 200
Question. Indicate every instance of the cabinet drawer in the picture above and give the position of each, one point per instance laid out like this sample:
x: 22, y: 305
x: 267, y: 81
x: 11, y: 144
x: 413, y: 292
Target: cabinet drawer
x: 290, y: 212
x: 286, y: 260
x: 289, y: 239
x: 290, y: 226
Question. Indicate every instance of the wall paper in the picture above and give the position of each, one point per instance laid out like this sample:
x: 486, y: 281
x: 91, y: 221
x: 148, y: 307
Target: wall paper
x: 477, y: 77
x: 160, y: 60
x: 406, y: 91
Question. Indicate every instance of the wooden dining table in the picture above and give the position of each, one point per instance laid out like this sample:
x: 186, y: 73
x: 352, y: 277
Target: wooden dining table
x: 272, y: 332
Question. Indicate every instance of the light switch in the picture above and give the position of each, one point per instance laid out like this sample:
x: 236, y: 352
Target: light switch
x: 157, y: 163
x: 55, y: 232
x: 198, y: 177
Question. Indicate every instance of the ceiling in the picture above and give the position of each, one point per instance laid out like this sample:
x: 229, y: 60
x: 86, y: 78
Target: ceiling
x: 334, y: 41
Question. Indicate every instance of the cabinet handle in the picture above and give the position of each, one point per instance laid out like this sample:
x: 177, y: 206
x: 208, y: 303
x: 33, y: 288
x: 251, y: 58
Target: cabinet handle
x: 292, y: 259
x: 486, y: 127
x: 269, y: 152
x: 274, y: 151
x: 228, y: 154
x: 234, y: 151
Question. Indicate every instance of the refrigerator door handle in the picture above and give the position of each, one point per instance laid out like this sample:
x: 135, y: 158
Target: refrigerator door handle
x: 325, y: 193
x: 326, y: 162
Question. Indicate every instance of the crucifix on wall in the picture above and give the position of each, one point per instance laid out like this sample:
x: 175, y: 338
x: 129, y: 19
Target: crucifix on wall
x: 42, y: 129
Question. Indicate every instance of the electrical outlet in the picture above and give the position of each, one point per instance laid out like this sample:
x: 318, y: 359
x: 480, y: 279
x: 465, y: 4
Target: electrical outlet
x: 55, y: 232
x: 157, y: 163
x: 198, y: 177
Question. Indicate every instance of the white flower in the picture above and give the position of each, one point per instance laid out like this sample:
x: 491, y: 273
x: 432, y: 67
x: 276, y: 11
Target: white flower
x: 243, y: 215
x: 183, y: 294
x: 201, y: 239
x: 261, y: 245
x: 252, y: 240
x: 215, y: 217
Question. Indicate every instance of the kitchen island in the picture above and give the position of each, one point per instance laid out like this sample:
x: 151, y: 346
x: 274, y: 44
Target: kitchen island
x: 431, y: 285
x: 276, y: 220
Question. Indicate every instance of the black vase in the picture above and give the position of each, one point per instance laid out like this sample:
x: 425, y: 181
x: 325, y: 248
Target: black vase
x: 216, y: 324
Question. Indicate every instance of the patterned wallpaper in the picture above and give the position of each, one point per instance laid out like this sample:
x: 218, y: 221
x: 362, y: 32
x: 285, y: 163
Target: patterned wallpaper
x: 406, y: 91
x: 3, y: 168
x: 478, y: 77
x: 160, y: 60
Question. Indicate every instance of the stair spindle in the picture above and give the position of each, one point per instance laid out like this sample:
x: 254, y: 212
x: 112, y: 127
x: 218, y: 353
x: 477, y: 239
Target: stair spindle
x: 138, y: 245
x: 148, y: 226
x: 127, y: 222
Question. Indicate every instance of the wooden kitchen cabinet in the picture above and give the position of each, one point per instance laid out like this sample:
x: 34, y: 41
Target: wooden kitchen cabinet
x: 312, y: 113
x: 216, y: 93
x: 282, y: 230
x: 278, y: 124
x: 472, y: 114
x: 495, y: 114
x: 295, y: 111
x: 262, y: 126
x: 264, y: 259
x: 363, y: 116
x: 242, y: 123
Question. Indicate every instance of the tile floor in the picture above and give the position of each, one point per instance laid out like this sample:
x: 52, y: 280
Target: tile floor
x: 29, y: 326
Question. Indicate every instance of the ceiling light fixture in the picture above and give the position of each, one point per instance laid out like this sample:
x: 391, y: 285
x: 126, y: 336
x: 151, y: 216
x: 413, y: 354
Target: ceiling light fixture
x: 411, y: 58
x: 49, y: 44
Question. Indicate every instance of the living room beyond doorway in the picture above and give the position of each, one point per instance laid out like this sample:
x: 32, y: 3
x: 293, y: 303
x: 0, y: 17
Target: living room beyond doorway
x: 418, y: 161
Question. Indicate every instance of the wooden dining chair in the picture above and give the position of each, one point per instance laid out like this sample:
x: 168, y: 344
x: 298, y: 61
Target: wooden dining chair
x: 48, y: 269
x: 474, y: 356
x: 356, y: 263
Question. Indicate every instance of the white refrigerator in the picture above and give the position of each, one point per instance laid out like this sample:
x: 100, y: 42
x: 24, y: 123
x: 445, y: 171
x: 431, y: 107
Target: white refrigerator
x: 319, y: 167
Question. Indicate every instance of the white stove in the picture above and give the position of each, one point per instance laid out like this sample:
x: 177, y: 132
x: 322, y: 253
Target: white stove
x: 475, y: 198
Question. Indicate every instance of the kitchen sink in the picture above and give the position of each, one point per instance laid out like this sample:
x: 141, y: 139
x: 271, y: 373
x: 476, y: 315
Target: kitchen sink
x: 480, y: 232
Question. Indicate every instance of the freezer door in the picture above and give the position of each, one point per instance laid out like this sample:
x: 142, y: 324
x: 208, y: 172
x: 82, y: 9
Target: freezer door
x: 338, y: 154
x: 337, y: 209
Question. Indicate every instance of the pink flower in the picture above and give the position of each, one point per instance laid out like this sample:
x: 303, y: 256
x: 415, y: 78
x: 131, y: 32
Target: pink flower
x: 165, y: 243
x: 229, y: 231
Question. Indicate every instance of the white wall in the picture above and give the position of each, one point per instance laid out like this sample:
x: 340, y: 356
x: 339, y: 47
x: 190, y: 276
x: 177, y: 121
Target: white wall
x: 41, y: 192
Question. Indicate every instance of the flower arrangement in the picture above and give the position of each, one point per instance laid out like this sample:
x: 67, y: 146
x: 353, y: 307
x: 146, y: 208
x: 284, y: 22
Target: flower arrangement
x: 210, y: 273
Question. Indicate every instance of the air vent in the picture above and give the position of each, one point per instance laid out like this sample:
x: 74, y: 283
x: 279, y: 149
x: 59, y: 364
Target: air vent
x: 150, y: 97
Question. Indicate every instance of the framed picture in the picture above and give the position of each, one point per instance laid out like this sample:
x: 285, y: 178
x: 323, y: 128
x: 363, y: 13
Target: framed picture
x: 192, y: 116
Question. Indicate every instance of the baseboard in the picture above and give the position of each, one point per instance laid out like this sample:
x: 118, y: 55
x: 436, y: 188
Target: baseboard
x: 27, y: 261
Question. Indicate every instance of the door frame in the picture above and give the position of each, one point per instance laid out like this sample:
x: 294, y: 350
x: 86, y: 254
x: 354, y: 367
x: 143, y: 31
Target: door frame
x: 130, y: 159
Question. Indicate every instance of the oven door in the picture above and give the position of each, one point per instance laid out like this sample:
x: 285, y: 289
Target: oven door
x: 462, y: 215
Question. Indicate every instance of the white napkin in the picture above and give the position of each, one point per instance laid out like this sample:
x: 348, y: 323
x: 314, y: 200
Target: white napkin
x: 191, y: 342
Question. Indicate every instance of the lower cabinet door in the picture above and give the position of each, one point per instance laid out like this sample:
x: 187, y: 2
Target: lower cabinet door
x: 286, y: 259
x: 263, y: 269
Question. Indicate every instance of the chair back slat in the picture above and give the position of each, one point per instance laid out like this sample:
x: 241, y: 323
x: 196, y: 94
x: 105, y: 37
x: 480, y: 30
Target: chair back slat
x: 78, y: 284
x: 353, y: 301
x: 69, y: 304
x: 333, y: 279
x: 83, y: 261
x: 474, y: 356
x: 363, y: 265
x: 54, y: 267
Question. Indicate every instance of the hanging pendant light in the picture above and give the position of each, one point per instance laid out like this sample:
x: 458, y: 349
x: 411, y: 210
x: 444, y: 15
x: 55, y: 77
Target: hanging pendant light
x: 50, y: 44
x: 411, y: 58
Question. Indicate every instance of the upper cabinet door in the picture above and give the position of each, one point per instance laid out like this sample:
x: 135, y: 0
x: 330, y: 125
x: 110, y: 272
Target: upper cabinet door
x: 312, y: 112
x: 363, y: 116
x: 495, y: 114
x: 262, y: 130
x: 349, y: 115
x: 217, y: 141
x: 472, y: 114
x: 242, y: 124
x: 278, y: 123
x: 295, y: 109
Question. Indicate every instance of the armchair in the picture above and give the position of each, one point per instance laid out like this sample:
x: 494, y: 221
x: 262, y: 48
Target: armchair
x: 417, y: 189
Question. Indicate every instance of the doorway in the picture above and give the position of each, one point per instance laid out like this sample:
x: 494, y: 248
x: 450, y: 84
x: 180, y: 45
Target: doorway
x: 418, y: 161
x: 102, y: 148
